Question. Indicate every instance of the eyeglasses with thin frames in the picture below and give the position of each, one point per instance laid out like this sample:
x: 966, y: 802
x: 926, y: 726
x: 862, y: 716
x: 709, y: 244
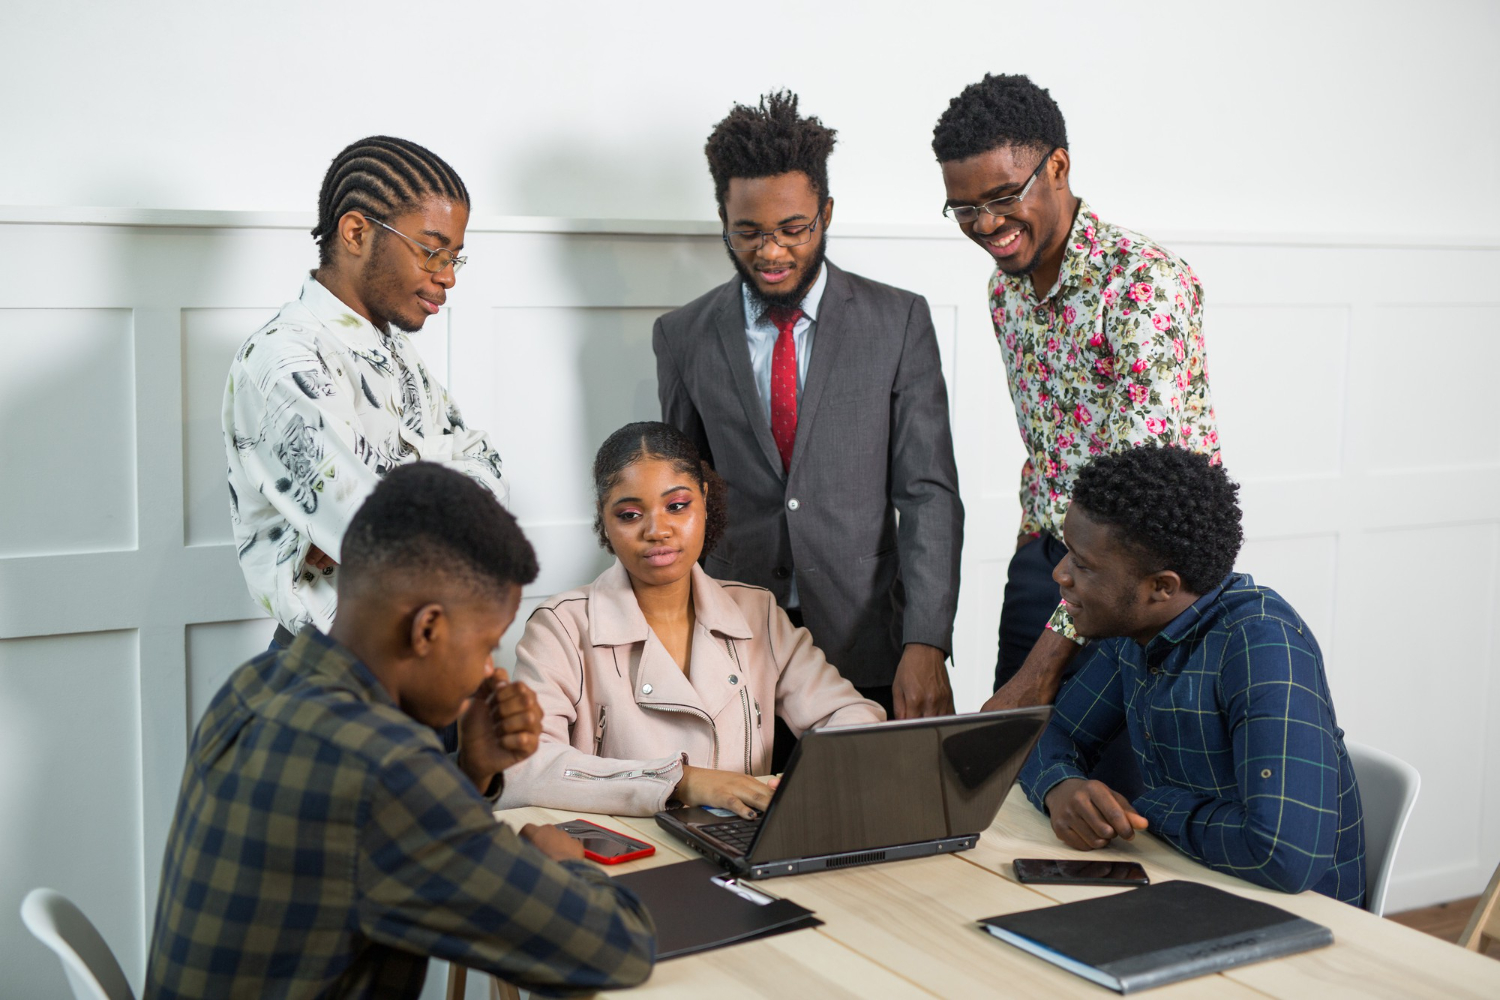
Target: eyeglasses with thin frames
x: 785, y: 236
x: 998, y: 207
x: 437, y: 257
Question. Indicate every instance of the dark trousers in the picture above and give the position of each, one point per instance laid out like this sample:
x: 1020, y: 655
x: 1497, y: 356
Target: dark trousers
x: 1031, y: 596
x: 781, y: 749
x: 448, y: 734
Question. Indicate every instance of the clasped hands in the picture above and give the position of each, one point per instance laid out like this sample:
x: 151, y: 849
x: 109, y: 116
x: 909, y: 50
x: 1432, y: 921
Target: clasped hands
x: 499, y: 726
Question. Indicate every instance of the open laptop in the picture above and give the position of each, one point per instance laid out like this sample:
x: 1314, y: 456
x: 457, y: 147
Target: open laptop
x: 858, y: 795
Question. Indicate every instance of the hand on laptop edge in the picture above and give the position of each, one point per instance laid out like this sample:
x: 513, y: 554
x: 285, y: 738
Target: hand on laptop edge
x: 742, y: 794
x: 1087, y: 815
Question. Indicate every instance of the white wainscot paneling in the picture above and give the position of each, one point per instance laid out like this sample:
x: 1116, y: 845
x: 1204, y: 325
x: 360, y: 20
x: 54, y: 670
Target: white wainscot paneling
x: 1422, y: 408
x: 70, y: 796
x: 1417, y: 684
x: 549, y: 385
x: 210, y: 338
x: 214, y: 650
x: 67, y: 406
x: 1277, y: 376
x: 1303, y: 570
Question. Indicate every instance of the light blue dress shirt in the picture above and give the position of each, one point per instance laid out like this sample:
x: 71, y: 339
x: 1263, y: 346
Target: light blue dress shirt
x: 761, y: 335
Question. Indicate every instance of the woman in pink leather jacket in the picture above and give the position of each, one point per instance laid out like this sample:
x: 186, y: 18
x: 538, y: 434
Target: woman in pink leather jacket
x: 656, y: 681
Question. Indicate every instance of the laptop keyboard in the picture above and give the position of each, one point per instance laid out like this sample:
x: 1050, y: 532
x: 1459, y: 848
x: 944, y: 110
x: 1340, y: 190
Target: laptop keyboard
x: 736, y: 833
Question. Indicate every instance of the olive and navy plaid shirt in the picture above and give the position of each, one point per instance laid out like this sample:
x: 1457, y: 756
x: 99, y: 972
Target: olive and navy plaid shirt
x: 324, y: 846
x: 1231, y: 721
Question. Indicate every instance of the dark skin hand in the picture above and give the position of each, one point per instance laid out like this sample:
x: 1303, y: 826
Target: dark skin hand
x: 498, y: 727
x: 553, y: 842
x: 320, y: 560
x: 921, y: 687
x: 1037, y: 681
x: 1086, y: 815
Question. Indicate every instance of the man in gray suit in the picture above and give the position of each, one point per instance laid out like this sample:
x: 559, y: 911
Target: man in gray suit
x: 819, y: 397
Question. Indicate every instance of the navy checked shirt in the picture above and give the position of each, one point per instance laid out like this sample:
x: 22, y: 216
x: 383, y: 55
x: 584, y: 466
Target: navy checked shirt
x: 325, y: 846
x: 1231, y: 721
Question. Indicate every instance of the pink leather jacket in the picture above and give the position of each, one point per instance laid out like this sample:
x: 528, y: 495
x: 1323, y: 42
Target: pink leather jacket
x: 618, y: 714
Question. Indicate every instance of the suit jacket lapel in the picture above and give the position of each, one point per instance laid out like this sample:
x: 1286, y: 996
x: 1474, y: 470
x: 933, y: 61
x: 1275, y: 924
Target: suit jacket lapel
x: 731, y: 323
x: 830, y: 335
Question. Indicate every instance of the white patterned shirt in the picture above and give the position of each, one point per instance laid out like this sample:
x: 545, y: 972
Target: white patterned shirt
x: 318, y: 407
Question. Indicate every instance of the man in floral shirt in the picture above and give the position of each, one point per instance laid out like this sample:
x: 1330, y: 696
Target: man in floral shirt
x: 1101, y: 333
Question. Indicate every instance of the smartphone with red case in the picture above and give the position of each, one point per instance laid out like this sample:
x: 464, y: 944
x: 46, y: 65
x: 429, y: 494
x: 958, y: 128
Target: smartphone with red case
x: 605, y: 846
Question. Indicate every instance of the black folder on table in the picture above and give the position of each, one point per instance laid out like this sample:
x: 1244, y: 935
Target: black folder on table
x: 697, y: 906
x: 1158, y: 934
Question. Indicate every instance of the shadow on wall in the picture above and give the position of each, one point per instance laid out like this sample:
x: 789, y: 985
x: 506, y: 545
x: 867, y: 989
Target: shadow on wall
x: 581, y: 178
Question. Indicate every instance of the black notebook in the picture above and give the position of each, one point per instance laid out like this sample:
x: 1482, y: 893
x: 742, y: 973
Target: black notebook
x: 697, y: 906
x: 1158, y: 934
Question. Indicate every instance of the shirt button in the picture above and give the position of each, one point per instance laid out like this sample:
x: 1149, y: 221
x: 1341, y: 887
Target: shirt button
x: 793, y: 504
x: 645, y: 689
x: 1266, y: 773
x: 1148, y: 734
x: 733, y: 679
x: 781, y: 572
x: 1156, y: 670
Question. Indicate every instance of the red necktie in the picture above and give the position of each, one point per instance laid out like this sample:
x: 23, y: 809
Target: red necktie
x: 784, y: 382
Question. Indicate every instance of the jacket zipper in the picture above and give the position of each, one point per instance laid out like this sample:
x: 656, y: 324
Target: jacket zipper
x: 745, y: 701
x: 689, y: 710
x: 599, y: 737
x: 638, y: 772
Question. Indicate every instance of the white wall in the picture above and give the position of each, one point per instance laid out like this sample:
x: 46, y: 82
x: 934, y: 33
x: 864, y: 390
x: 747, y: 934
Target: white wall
x: 1352, y: 373
x: 1357, y: 116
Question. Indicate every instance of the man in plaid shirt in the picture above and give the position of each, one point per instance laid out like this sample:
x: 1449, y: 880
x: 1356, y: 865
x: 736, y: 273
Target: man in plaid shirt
x: 1217, y: 681
x: 325, y: 846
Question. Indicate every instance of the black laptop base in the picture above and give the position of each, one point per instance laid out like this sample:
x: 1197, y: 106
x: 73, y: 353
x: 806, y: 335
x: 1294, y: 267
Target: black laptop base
x: 720, y: 853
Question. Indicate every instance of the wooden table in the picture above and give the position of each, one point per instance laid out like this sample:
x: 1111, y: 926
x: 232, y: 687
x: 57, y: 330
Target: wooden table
x: 907, y: 929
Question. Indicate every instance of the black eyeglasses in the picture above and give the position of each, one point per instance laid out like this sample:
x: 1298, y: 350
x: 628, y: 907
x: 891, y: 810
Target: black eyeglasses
x: 786, y: 236
x: 999, y: 207
x: 437, y: 257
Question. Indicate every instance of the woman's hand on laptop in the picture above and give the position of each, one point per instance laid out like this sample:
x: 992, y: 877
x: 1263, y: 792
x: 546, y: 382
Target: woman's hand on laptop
x: 741, y: 794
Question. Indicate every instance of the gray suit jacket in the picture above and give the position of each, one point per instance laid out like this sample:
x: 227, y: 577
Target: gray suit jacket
x: 872, y: 439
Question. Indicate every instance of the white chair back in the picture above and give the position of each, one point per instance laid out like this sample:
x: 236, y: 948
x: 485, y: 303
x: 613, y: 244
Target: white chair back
x: 87, y: 961
x: 1387, y: 790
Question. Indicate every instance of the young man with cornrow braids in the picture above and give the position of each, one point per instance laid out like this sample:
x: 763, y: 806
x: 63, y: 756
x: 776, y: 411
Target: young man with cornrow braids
x: 331, y: 395
x: 819, y: 397
x: 1101, y: 331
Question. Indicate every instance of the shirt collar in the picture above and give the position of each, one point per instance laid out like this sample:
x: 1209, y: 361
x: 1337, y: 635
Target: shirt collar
x: 1082, y: 244
x: 314, y: 654
x: 333, y: 313
x: 615, y: 617
x: 755, y: 311
x: 1186, y: 624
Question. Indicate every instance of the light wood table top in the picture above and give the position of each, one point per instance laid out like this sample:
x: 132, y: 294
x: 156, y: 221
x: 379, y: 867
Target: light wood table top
x: 907, y: 929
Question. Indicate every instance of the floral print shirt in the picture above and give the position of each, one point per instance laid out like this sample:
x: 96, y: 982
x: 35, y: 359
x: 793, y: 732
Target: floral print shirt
x: 1111, y: 357
x: 318, y: 407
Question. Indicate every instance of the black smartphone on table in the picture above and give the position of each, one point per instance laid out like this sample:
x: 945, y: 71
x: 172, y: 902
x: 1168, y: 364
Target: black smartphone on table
x: 603, y: 845
x: 1078, y: 871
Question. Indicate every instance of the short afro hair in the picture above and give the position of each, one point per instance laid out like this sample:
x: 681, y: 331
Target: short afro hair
x: 999, y: 111
x: 653, y: 439
x: 1176, y: 509
x: 766, y: 141
x: 427, y: 520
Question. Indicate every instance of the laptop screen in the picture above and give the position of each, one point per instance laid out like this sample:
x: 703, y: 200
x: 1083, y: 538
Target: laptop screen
x: 896, y: 783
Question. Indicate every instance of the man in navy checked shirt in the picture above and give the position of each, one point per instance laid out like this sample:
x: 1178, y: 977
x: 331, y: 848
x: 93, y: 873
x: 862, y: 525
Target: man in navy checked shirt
x: 325, y: 846
x: 1217, y: 681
